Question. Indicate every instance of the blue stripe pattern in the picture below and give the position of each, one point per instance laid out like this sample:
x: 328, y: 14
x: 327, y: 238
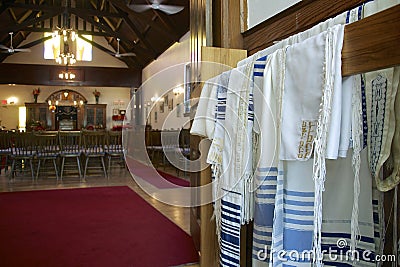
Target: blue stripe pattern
x: 230, y: 234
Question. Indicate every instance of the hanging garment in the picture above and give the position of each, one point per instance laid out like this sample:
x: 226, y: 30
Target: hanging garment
x: 301, y: 103
x: 227, y: 214
x: 268, y: 112
x: 294, y: 215
x: 382, y: 100
x: 236, y: 172
x: 204, y: 121
x: 215, y: 153
x: 345, y: 123
x: 323, y: 47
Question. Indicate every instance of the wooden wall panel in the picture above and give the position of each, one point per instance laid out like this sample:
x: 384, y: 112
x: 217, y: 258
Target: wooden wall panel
x: 88, y: 76
x: 226, y: 59
x: 372, y: 43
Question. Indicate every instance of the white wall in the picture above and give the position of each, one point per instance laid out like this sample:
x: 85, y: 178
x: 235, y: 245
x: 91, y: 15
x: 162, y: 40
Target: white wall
x: 23, y: 93
x: 159, y: 79
x: 260, y: 10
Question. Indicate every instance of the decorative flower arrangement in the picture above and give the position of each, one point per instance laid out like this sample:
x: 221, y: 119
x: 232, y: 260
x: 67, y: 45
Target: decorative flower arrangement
x: 36, y: 91
x: 96, y: 93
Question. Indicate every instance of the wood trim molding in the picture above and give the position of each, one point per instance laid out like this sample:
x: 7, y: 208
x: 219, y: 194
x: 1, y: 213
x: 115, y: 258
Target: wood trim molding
x: 372, y: 43
x: 231, y: 24
x: 296, y: 18
x: 86, y: 76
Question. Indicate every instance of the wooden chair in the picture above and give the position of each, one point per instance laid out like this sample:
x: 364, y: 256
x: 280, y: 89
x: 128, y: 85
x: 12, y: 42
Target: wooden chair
x: 170, y: 147
x: 48, y: 149
x: 70, y: 147
x: 184, y: 144
x: 94, y: 147
x: 5, y: 150
x: 155, y: 148
x: 114, y: 149
x: 23, y: 152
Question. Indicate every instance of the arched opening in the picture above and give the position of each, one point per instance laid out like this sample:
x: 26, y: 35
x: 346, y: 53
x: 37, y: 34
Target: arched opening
x: 67, y: 105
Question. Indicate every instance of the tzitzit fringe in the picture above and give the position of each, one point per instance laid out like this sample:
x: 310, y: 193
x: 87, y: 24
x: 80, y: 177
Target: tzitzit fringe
x: 319, y: 168
x: 357, y: 133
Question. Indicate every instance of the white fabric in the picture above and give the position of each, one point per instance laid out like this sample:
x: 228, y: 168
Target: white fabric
x: 376, y: 6
x: 302, y: 97
x: 215, y: 153
x: 204, y: 120
x: 293, y: 224
x: 345, y: 126
x: 268, y: 113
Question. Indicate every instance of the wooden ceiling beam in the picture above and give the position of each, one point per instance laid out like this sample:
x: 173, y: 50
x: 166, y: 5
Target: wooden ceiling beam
x: 136, y: 31
x: 3, y: 7
x: 89, y: 12
x: 100, y: 26
x: 47, y: 75
x: 36, y: 42
x: 168, y: 24
x: 136, y: 63
x: 28, y: 22
x: 124, y: 9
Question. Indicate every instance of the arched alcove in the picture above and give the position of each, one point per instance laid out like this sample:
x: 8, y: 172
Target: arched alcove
x: 66, y: 97
x: 67, y: 105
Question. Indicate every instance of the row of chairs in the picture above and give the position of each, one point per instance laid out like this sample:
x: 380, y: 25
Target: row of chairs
x: 22, y: 149
x: 163, y: 146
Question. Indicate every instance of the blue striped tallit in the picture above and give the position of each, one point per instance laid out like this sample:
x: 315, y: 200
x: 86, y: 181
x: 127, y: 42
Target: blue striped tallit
x: 268, y: 93
x: 294, y: 207
x: 265, y: 183
x: 233, y: 199
x: 227, y: 211
x: 230, y: 231
x: 236, y: 164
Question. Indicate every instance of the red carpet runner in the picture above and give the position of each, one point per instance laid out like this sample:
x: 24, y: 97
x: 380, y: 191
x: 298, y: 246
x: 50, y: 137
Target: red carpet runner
x: 104, y: 226
x: 148, y: 174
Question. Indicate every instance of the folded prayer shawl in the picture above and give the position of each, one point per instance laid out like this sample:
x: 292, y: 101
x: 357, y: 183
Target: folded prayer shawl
x: 204, y: 120
x: 382, y: 105
x: 268, y: 113
x: 215, y: 153
x: 231, y: 158
x: 293, y: 228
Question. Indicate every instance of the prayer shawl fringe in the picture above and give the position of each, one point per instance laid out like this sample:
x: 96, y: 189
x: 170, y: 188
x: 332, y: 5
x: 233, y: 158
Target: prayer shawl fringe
x: 357, y: 135
x: 319, y: 170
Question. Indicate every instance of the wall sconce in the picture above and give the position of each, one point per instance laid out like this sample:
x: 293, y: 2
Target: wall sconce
x: 178, y: 90
x: 12, y: 100
x: 155, y: 99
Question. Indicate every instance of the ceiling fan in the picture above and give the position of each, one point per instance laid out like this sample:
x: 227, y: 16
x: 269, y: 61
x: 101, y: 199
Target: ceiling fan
x: 118, y: 54
x: 157, y: 5
x: 11, y: 49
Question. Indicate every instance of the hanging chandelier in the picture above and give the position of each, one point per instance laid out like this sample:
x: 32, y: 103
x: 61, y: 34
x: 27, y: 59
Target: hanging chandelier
x: 67, y: 38
x: 66, y: 75
x: 66, y: 35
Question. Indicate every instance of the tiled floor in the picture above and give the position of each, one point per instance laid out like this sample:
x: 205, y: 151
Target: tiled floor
x: 118, y: 177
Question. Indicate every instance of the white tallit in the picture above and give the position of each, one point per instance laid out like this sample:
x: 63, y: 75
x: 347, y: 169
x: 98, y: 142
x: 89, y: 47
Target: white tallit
x: 204, y: 121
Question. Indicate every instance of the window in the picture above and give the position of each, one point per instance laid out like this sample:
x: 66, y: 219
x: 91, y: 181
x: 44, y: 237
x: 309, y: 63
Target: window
x: 83, y: 50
